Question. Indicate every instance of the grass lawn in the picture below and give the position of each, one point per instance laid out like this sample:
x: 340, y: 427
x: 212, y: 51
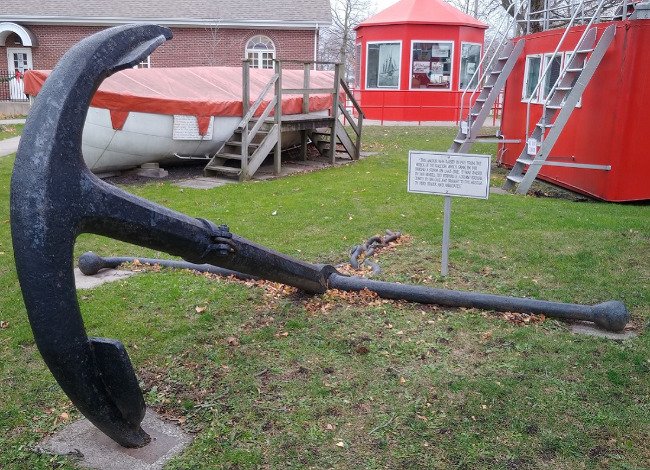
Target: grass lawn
x: 10, y: 130
x: 267, y: 377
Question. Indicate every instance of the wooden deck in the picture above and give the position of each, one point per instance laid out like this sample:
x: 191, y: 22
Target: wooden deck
x: 256, y: 137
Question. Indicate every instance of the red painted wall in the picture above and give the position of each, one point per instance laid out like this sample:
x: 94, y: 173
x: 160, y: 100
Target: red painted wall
x: 189, y: 47
x: 611, y: 126
x: 404, y: 104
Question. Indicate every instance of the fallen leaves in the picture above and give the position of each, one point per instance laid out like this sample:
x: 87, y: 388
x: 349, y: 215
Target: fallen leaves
x: 361, y: 349
x: 4, y: 325
x: 523, y: 318
x: 200, y: 309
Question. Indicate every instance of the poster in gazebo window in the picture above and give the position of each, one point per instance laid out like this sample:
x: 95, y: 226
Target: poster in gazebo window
x: 388, y: 75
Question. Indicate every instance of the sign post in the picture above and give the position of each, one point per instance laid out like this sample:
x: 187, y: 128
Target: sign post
x: 448, y: 174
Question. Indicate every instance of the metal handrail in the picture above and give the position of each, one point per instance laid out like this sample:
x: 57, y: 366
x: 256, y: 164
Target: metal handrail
x: 487, y: 68
x: 546, y: 68
x: 567, y: 64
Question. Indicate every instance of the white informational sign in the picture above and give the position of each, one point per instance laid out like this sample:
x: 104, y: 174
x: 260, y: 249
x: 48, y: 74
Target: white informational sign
x: 464, y: 128
x: 187, y: 128
x: 532, y: 146
x: 449, y: 174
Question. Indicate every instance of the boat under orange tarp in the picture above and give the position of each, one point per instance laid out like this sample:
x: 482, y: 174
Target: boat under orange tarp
x: 193, y: 91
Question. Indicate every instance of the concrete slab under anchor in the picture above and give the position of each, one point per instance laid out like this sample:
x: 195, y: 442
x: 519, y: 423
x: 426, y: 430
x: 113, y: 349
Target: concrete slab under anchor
x: 203, y: 183
x: 587, y: 328
x: 93, y: 449
x: 103, y: 276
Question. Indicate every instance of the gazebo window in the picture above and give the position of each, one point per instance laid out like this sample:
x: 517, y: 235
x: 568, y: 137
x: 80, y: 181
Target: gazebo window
x: 431, y: 65
x: 470, y: 57
x: 261, y: 51
x: 383, y: 65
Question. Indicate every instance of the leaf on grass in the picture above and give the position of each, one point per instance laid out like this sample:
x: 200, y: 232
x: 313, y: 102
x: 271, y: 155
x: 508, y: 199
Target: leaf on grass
x: 340, y: 444
x: 232, y: 341
x: 4, y: 325
x: 200, y: 309
x: 64, y: 416
x: 361, y: 349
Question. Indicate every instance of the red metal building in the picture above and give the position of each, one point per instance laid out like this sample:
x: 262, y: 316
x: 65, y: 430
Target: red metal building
x: 608, y: 127
x: 414, y: 59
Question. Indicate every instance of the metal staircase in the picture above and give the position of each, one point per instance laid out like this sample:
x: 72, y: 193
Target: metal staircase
x: 557, y: 108
x: 470, y: 127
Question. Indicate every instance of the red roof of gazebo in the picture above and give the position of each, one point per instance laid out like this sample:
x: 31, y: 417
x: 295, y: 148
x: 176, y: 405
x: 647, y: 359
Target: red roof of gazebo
x: 422, y: 12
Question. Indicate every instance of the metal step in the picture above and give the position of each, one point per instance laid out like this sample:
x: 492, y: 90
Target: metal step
x: 479, y: 111
x: 515, y: 178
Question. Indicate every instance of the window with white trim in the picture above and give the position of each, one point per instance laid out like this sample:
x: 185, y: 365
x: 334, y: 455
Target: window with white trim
x: 554, y: 66
x: 431, y: 65
x: 261, y: 52
x: 531, y: 77
x: 470, y: 57
x: 383, y: 65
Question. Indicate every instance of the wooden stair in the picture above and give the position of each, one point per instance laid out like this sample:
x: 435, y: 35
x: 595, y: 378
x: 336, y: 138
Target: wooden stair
x: 257, y: 137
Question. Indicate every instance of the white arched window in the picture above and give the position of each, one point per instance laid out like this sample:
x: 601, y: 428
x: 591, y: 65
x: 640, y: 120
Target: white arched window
x: 261, y: 51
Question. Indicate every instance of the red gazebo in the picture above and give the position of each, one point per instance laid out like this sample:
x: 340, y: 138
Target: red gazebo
x: 414, y: 59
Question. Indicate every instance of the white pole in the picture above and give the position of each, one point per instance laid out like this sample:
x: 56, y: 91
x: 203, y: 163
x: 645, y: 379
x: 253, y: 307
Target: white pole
x: 445, y: 237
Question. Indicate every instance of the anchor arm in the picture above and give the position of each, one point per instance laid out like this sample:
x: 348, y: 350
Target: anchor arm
x: 54, y: 198
x: 47, y: 210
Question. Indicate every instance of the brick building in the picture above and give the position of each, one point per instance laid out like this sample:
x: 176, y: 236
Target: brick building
x: 34, y: 34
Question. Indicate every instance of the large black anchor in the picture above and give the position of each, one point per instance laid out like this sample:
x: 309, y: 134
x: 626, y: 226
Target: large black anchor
x: 54, y: 198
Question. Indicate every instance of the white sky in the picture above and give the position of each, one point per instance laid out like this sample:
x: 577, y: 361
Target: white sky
x: 382, y: 4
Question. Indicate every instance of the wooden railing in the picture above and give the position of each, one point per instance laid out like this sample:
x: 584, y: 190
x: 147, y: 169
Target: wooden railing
x: 337, y: 129
x: 248, y: 135
x: 356, y: 126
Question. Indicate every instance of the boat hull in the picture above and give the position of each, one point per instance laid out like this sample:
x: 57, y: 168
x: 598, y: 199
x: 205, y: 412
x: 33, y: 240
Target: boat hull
x: 159, y: 138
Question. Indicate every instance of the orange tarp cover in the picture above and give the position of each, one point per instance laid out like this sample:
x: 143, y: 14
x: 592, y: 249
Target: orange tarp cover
x: 193, y: 91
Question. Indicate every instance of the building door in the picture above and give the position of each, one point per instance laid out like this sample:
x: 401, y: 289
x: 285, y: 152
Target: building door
x: 19, y: 59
